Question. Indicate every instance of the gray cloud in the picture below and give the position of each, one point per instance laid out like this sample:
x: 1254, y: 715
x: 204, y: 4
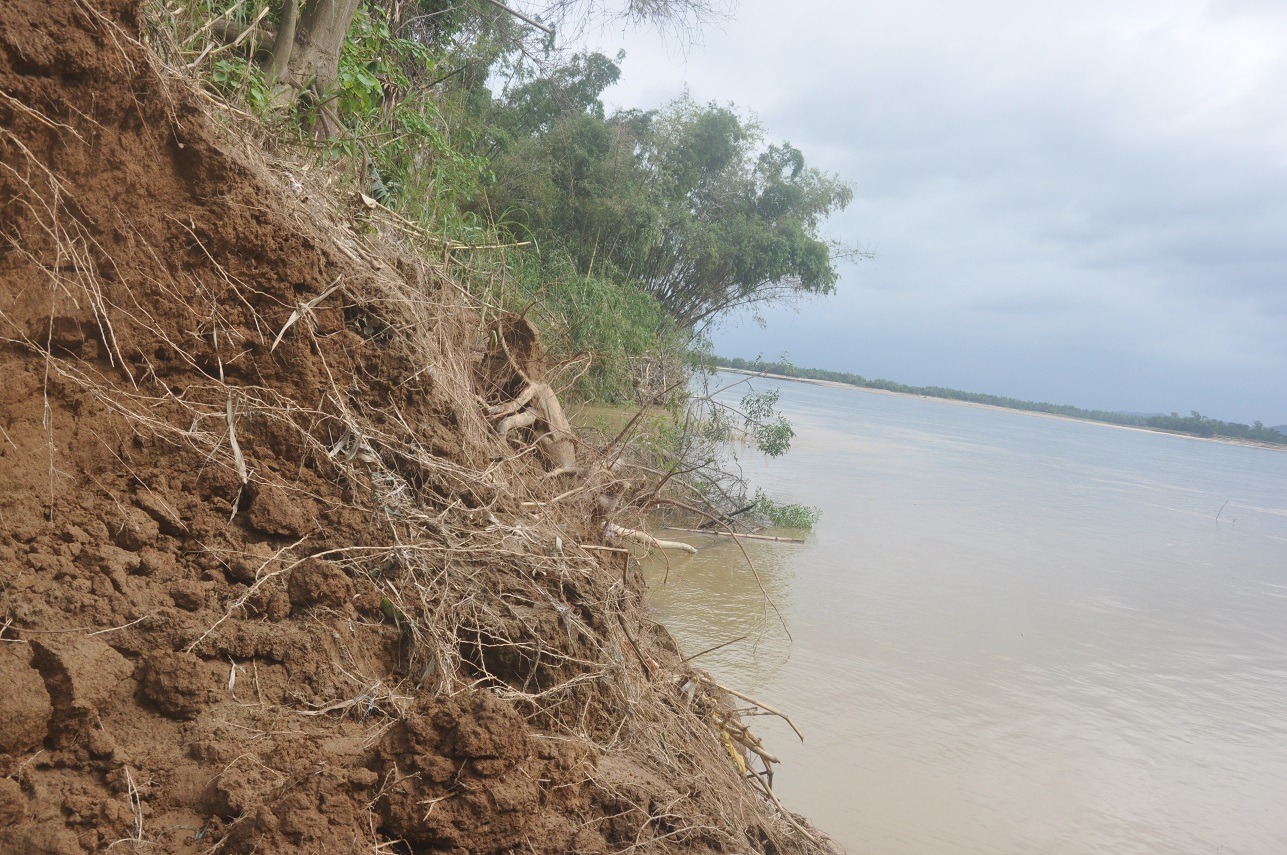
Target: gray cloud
x: 1084, y: 203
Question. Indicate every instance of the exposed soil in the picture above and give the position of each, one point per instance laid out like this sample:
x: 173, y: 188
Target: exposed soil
x: 269, y: 580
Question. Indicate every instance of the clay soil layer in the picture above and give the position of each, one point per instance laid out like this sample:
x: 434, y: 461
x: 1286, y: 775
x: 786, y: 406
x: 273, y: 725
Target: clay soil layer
x: 269, y: 579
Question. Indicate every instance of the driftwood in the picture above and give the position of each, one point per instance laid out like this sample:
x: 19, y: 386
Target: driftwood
x: 648, y: 540
x: 736, y: 534
x: 763, y: 706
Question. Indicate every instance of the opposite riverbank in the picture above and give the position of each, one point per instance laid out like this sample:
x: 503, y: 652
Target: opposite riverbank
x: 835, y: 384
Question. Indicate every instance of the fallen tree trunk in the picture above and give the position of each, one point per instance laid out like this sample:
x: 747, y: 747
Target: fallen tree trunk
x: 737, y: 535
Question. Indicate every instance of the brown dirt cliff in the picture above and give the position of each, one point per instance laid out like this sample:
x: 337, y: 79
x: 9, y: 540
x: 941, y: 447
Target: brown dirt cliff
x: 269, y: 580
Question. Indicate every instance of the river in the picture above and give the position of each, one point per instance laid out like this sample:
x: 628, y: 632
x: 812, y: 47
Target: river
x: 1010, y: 633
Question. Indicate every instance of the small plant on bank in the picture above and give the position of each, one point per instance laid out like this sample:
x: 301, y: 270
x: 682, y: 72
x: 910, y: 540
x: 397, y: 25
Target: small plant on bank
x: 238, y: 79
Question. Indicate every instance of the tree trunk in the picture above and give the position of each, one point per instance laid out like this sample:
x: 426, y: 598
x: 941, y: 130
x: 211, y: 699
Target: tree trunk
x: 282, y: 43
x: 306, y: 53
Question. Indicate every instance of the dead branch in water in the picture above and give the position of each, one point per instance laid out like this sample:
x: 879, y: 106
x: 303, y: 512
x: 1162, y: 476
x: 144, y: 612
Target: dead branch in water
x: 719, y: 646
x: 763, y: 706
x: 737, y: 534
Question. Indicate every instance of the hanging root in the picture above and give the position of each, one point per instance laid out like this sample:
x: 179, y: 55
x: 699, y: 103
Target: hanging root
x: 535, y: 405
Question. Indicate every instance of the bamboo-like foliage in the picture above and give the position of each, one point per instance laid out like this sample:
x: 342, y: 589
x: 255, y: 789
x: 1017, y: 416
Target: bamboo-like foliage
x: 687, y: 202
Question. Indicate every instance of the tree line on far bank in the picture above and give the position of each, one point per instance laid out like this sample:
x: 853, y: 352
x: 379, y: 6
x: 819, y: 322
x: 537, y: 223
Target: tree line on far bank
x: 1194, y: 424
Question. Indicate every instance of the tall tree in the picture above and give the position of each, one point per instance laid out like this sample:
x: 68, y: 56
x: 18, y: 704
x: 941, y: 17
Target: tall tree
x: 687, y: 202
x: 740, y: 220
x: 305, y: 49
x: 305, y: 55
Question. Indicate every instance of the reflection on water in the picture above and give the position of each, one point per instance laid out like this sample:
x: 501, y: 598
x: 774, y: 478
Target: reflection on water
x: 1011, y: 633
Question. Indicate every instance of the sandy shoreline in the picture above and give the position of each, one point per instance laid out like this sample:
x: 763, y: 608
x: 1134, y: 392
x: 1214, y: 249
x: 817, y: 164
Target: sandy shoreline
x: 1226, y: 440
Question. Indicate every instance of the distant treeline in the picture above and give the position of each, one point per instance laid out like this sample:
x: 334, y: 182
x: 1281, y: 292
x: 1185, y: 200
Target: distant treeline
x: 1194, y: 424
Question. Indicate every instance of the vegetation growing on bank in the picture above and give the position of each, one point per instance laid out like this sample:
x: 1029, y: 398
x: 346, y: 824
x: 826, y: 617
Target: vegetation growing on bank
x: 1194, y: 424
x: 621, y: 235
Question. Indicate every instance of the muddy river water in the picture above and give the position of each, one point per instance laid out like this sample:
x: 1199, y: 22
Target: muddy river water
x: 1009, y: 633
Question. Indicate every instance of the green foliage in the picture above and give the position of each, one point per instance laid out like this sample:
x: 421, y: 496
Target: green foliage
x: 414, y: 156
x: 591, y: 318
x: 739, y: 220
x: 238, y: 79
x: 686, y: 202
x: 431, y: 183
x: 785, y: 515
x: 754, y: 419
x: 533, y: 106
x: 367, y: 63
x: 578, y: 190
x: 769, y: 429
x: 566, y: 176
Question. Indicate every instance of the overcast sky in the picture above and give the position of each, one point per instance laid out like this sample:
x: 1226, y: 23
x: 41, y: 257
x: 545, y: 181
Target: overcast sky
x: 1084, y: 203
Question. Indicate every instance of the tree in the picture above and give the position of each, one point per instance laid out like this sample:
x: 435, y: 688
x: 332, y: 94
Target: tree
x: 534, y: 105
x: 305, y: 49
x: 687, y: 202
x: 567, y: 175
x: 305, y: 55
x: 740, y: 220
